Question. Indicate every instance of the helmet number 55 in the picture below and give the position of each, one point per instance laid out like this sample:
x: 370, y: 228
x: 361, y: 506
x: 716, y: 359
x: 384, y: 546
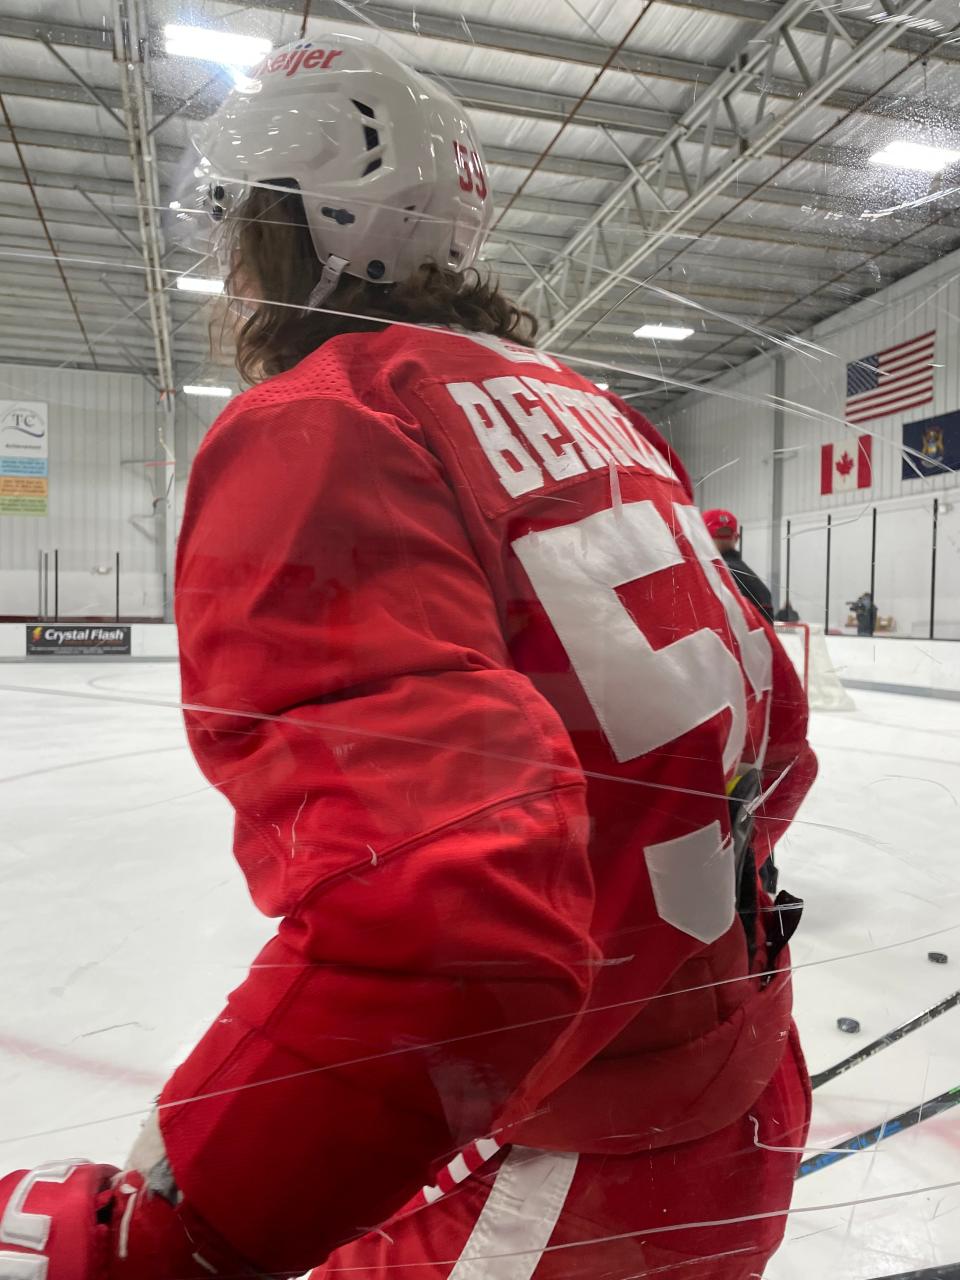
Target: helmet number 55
x: 470, y: 170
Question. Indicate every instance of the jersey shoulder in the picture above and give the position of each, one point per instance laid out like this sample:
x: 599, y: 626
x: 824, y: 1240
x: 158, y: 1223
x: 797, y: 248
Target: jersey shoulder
x: 338, y: 373
x: 360, y: 369
x: 470, y: 380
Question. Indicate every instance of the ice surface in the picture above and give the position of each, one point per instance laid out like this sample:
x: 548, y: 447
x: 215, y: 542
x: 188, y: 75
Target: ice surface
x: 123, y: 923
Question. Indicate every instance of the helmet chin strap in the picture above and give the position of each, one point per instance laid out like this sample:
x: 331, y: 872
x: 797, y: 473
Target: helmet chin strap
x: 329, y: 279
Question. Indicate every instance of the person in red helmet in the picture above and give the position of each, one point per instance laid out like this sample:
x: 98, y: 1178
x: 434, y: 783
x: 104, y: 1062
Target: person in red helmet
x: 505, y: 751
x: 725, y: 531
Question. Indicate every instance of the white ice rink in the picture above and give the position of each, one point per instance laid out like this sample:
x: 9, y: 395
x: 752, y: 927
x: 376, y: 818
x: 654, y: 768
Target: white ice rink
x: 124, y: 921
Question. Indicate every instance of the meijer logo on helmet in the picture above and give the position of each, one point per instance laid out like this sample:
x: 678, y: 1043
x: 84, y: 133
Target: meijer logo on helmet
x: 301, y: 55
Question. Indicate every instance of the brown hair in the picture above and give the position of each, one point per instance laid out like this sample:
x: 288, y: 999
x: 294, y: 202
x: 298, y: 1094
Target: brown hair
x: 270, y: 241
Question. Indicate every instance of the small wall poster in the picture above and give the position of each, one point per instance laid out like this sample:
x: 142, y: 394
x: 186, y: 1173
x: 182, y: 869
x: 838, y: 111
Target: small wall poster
x: 23, y: 458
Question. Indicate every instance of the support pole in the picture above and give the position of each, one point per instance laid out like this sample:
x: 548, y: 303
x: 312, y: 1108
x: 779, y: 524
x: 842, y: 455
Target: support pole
x: 826, y: 594
x: 873, y: 557
x: 933, y: 566
x: 788, y: 561
x: 776, y: 481
x: 131, y: 56
x: 167, y: 440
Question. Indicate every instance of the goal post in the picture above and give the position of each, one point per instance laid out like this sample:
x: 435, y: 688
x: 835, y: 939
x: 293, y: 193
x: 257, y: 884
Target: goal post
x: 806, y: 646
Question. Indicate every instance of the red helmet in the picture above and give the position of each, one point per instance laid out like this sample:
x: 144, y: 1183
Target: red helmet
x: 720, y: 523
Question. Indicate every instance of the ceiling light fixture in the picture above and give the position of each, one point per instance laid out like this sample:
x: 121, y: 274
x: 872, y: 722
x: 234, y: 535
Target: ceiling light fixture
x: 669, y: 332
x: 199, y: 284
x: 915, y: 156
x: 602, y: 386
x: 198, y: 389
x: 225, y: 47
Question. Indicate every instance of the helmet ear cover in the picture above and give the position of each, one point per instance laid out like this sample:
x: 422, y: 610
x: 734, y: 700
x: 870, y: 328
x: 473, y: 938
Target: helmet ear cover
x: 218, y: 209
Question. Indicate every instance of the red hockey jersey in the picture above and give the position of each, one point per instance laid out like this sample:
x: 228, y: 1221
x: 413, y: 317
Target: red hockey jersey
x: 459, y: 651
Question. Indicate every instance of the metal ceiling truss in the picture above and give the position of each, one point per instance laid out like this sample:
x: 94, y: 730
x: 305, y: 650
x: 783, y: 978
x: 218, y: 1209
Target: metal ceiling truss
x: 130, y: 54
x: 597, y: 263
x: 808, y: 200
x: 684, y: 161
x: 511, y: 100
x: 822, y: 19
x: 402, y: 19
x: 501, y: 98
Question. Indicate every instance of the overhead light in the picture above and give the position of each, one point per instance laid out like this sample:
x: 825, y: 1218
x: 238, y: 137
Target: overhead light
x: 916, y: 156
x: 199, y: 284
x: 198, y: 389
x: 670, y: 332
x: 225, y: 47
x: 602, y: 386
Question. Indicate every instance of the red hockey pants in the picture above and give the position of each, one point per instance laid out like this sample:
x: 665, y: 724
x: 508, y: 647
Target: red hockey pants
x: 544, y: 1215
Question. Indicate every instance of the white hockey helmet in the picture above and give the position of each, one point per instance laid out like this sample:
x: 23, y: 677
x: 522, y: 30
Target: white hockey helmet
x: 386, y: 162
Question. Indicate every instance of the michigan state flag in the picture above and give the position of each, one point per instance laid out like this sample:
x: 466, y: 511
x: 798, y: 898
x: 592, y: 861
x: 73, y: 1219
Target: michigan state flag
x: 931, y: 447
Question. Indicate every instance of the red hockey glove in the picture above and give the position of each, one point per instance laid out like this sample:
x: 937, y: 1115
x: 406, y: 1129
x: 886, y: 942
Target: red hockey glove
x: 77, y: 1221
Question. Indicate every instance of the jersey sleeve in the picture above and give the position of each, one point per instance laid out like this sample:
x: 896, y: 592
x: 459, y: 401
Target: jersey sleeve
x: 754, y: 588
x: 407, y: 803
x: 790, y: 764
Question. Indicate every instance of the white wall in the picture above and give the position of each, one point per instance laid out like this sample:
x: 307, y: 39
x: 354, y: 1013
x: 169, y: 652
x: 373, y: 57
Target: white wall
x: 712, y: 427
x: 195, y: 416
x: 102, y: 426
x: 725, y: 442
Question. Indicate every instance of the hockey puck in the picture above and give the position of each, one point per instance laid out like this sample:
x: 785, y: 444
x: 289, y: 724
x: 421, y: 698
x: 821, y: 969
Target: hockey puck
x: 937, y: 957
x: 850, y: 1025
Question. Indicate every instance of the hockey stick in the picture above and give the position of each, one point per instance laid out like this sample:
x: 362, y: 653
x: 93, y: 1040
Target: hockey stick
x: 921, y: 1020
x: 946, y: 1271
x: 906, y: 1120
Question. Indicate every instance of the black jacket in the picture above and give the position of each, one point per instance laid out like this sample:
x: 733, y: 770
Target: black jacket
x: 750, y: 585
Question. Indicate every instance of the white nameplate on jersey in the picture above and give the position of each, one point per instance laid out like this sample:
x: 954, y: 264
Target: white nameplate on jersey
x: 532, y: 432
x: 30, y: 1230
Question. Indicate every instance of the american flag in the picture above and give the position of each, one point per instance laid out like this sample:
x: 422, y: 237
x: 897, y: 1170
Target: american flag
x: 897, y: 378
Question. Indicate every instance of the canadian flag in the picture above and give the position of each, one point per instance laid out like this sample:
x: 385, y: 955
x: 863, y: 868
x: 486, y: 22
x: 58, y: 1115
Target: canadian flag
x: 846, y: 464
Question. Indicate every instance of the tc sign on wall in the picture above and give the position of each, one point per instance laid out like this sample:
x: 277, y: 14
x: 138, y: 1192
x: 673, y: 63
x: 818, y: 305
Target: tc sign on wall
x: 23, y: 458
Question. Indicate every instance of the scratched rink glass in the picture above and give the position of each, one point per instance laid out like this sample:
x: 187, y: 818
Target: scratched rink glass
x: 463, y: 768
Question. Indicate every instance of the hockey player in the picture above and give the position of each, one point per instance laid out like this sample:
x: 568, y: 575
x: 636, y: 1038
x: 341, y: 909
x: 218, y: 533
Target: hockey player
x: 722, y: 527
x: 504, y: 747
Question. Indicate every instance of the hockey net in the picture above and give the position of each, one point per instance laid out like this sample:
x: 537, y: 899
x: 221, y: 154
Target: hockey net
x: 807, y: 648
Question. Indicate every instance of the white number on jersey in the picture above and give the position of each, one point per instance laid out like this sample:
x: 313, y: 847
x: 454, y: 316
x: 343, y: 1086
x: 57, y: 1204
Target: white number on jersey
x: 29, y: 1230
x: 645, y: 697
